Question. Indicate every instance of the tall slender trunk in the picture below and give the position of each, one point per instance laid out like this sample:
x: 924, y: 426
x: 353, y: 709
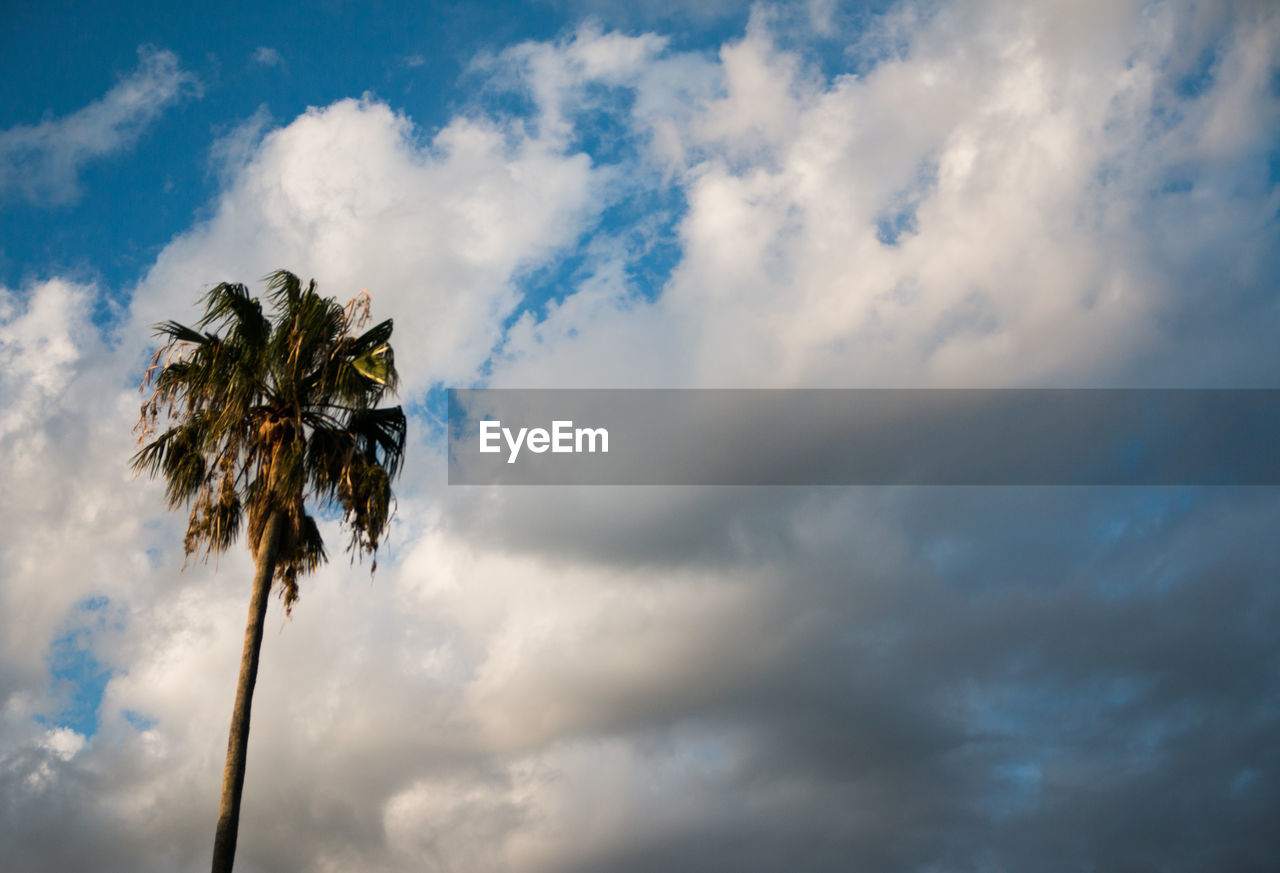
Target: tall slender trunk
x: 224, y: 839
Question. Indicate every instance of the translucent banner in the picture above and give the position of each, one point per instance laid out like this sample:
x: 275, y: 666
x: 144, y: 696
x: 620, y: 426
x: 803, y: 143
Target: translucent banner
x: 864, y: 437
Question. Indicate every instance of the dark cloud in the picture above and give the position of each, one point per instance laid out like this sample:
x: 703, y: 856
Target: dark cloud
x: 1054, y: 706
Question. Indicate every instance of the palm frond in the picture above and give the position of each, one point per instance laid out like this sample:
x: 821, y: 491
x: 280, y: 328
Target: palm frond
x: 177, y: 331
x: 232, y: 307
x: 283, y: 289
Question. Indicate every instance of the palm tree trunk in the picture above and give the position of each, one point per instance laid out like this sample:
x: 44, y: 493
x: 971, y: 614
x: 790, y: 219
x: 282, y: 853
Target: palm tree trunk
x: 224, y: 840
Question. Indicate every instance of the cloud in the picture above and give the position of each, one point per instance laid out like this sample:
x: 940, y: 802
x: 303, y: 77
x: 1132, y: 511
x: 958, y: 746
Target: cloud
x: 234, y: 149
x: 267, y: 57
x: 56, y: 383
x: 41, y: 163
x: 943, y: 219
x: 720, y: 679
x: 439, y: 232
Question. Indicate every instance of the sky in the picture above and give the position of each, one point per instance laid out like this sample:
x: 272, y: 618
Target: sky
x: 587, y: 193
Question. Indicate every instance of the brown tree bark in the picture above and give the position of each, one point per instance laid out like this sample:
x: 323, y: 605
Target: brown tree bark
x: 224, y: 839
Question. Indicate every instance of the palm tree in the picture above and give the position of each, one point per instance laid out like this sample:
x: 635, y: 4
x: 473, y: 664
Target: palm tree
x: 265, y: 417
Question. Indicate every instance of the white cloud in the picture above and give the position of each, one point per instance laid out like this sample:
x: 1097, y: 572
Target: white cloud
x: 267, y: 56
x: 70, y: 530
x: 42, y: 162
x: 232, y: 151
x: 439, y: 232
x: 1021, y: 172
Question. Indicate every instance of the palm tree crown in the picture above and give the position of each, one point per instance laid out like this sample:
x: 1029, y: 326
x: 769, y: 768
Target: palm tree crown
x: 268, y: 414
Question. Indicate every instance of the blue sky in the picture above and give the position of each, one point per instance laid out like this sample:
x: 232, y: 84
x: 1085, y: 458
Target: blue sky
x: 242, y: 59
x: 129, y: 206
x: 595, y: 194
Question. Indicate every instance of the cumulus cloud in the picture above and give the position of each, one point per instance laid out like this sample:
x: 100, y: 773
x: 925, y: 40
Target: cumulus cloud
x: 719, y: 679
x: 947, y: 218
x: 233, y: 149
x: 42, y: 162
x: 56, y: 431
x: 75, y: 533
x: 439, y: 232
